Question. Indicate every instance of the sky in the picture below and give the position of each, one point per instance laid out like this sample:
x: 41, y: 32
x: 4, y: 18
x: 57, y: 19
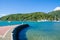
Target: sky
x: 27, y: 6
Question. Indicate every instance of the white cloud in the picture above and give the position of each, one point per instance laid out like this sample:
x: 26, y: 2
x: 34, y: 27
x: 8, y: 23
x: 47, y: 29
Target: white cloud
x: 3, y: 15
x: 57, y: 8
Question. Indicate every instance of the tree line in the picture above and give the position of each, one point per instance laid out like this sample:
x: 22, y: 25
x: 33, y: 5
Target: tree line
x: 54, y: 15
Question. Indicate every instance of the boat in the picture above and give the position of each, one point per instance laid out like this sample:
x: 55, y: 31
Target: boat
x: 9, y: 21
x: 42, y: 20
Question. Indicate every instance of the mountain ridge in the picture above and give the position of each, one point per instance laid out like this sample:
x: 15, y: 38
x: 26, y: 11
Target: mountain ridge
x: 32, y: 16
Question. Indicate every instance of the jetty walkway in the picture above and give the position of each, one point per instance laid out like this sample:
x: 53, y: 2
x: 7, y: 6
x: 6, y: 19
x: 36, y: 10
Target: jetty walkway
x: 6, y: 32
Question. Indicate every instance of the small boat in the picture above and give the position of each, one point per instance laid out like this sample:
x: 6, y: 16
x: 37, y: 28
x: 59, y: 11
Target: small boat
x: 41, y: 20
x: 9, y: 21
x: 55, y: 21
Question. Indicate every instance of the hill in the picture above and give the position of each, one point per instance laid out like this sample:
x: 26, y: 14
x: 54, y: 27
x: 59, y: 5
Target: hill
x: 55, y: 14
x: 32, y: 16
x: 24, y: 17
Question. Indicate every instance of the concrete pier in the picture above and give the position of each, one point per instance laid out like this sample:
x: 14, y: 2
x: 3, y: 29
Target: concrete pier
x: 6, y: 32
x: 11, y: 32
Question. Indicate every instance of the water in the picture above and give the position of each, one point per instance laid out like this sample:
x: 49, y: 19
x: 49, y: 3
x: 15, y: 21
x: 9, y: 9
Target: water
x: 6, y: 23
x: 37, y: 30
x: 41, y: 31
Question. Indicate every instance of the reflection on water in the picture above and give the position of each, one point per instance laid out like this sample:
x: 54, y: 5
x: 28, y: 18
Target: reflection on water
x: 22, y: 34
x: 41, y: 31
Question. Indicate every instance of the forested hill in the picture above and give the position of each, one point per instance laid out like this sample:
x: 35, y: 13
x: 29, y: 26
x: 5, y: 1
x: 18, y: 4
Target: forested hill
x: 55, y: 13
x: 29, y: 17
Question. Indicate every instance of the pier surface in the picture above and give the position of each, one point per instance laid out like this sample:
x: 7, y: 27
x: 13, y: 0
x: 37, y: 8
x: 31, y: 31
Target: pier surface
x: 6, y: 32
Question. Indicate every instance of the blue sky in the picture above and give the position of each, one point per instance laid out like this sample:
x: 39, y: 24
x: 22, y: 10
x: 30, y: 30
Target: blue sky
x: 27, y: 6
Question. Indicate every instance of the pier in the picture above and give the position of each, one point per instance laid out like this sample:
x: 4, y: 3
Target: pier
x: 6, y: 32
x: 11, y: 32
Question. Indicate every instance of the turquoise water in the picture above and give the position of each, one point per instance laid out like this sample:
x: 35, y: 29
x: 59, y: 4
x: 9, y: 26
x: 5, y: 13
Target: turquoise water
x: 41, y: 31
x: 6, y: 23
x: 37, y: 30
